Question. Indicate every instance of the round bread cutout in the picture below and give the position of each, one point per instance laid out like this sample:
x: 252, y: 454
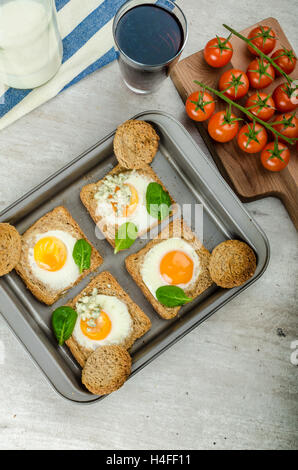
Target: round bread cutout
x: 106, y: 369
x: 10, y: 248
x: 135, y: 144
x: 232, y: 263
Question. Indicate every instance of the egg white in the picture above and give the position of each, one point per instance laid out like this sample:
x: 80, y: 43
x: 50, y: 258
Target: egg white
x: 121, y: 323
x: 140, y: 216
x: 150, y: 268
x: 64, y: 277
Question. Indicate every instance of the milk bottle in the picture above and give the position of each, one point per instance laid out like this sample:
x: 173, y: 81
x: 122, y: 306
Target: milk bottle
x: 30, y: 43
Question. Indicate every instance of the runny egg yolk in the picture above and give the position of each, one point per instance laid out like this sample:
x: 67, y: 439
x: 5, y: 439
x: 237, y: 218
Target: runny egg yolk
x: 133, y: 203
x: 100, y: 331
x: 50, y: 253
x: 176, y: 268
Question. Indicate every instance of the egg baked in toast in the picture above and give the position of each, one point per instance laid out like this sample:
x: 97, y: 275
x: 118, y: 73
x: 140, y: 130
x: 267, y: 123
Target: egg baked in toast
x: 174, y: 258
x: 47, y: 265
x: 106, y: 316
x: 120, y: 197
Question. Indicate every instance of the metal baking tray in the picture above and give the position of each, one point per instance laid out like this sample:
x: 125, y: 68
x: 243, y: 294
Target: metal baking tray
x: 190, y: 178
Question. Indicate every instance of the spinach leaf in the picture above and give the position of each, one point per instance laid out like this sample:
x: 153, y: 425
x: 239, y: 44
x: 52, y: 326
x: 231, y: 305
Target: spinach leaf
x: 125, y: 236
x: 158, y: 201
x: 63, y: 323
x: 82, y: 254
x: 172, y: 296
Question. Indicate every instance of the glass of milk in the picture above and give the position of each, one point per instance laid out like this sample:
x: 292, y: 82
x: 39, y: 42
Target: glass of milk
x: 30, y: 43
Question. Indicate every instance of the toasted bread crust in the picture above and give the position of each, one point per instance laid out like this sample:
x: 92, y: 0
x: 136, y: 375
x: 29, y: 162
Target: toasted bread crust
x: 88, y: 192
x: 10, y: 248
x: 80, y: 353
x: 107, y: 285
x: 57, y: 219
x: 135, y: 144
x: 232, y: 263
x: 106, y: 370
x: 134, y: 262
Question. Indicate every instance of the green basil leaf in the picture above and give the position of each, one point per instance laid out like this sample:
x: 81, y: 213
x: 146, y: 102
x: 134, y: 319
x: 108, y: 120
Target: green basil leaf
x: 158, y: 201
x: 63, y: 323
x: 82, y: 254
x: 125, y: 236
x: 172, y: 296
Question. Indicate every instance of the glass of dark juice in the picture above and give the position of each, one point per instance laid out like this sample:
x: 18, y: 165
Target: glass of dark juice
x: 149, y: 38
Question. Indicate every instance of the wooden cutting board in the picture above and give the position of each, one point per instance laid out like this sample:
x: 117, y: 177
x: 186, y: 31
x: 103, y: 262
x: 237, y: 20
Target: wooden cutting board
x: 243, y: 172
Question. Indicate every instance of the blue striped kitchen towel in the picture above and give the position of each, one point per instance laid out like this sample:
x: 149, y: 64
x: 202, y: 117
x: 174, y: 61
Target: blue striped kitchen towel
x: 86, y: 30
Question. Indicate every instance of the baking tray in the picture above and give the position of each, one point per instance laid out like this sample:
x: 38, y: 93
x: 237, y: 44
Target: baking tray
x: 191, y: 179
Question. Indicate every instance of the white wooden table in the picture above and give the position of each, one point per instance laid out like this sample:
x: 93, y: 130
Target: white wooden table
x: 228, y: 384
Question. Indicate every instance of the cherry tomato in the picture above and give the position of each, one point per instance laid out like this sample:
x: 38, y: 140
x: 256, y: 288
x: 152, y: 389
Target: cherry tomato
x: 275, y: 156
x: 285, y: 59
x: 261, y: 105
x: 260, y: 73
x: 284, y: 98
x: 252, y: 138
x: 223, y: 126
x: 200, y: 106
x: 263, y: 38
x: 218, y: 52
x: 288, y: 125
x: 234, y: 83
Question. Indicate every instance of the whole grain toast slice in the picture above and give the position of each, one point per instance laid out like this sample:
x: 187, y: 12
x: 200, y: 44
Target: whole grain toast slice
x: 232, y: 263
x: 57, y: 219
x: 10, y: 248
x: 177, y: 228
x: 106, y: 284
x: 106, y: 369
x: 88, y: 192
x: 135, y: 144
